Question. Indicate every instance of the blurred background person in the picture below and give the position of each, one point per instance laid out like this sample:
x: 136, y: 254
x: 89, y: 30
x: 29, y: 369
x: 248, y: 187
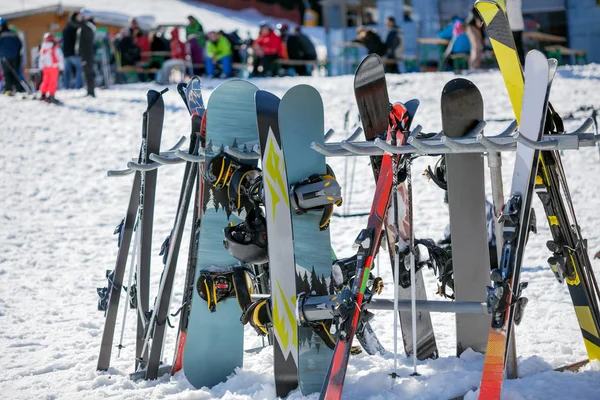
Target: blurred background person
x: 371, y: 40
x: 474, y: 31
x: 196, y: 52
x: 85, y: 46
x: 10, y: 57
x: 51, y: 62
x: 218, y: 51
x: 267, y: 48
x: 178, y: 58
x: 394, y: 45
x: 72, y: 60
x: 517, y: 25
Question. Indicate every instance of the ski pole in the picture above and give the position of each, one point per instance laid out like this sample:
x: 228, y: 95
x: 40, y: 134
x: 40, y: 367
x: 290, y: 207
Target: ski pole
x: 411, y: 244
x: 17, y: 76
x: 131, y: 268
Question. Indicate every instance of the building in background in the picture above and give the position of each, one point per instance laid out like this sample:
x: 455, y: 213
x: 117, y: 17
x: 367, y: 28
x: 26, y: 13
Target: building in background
x: 33, y: 23
x: 576, y: 20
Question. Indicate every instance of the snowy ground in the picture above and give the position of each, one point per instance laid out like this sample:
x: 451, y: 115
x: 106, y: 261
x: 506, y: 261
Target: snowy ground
x: 58, y: 210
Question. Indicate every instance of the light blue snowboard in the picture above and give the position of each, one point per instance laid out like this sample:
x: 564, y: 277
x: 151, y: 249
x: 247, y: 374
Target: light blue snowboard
x: 301, y: 121
x: 215, y: 340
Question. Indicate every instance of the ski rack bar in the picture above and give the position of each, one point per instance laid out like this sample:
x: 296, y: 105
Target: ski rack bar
x: 322, y: 307
x: 318, y: 308
x: 474, y: 142
x: 244, y: 153
x: 162, y: 155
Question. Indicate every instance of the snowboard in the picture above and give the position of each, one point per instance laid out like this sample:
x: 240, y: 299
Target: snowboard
x: 192, y: 96
x: 215, y: 340
x: 373, y: 104
x: 282, y: 266
x: 462, y: 109
x: 301, y: 122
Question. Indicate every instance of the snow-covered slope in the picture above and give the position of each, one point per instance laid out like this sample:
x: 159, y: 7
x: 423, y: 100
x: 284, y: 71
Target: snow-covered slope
x: 58, y: 210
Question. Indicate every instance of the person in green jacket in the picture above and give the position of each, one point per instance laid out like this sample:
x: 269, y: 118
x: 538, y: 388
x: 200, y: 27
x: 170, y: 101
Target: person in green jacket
x: 218, y: 51
x: 194, y: 27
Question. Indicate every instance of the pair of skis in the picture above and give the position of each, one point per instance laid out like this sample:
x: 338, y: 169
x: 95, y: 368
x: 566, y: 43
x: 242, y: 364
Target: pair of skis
x: 570, y: 259
x: 377, y: 117
x: 138, y: 220
x: 151, y: 324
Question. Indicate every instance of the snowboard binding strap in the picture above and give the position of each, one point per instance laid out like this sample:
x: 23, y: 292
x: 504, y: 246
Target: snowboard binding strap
x: 216, y: 286
x: 317, y: 192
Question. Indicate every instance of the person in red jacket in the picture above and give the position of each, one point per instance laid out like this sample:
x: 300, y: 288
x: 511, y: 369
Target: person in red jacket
x: 177, y: 46
x: 267, y: 48
x: 143, y: 43
x: 51, y: 62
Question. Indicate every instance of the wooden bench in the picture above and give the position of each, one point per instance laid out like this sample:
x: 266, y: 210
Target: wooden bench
x: 460, y: 61
x: 557, y: 51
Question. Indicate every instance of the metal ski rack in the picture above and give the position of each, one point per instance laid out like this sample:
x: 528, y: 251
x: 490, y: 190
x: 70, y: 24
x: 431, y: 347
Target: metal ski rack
x: 474, y: 142
x: 176, y: 156
x: 133, y: 166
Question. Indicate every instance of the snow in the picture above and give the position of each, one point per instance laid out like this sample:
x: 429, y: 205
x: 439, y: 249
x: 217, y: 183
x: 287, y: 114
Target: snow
x: 58, y: 211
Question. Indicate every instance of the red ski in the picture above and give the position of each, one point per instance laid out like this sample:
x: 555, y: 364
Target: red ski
x: 368, y: 244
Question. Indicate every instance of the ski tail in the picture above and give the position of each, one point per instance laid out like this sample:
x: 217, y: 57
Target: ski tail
x: 503, y: 43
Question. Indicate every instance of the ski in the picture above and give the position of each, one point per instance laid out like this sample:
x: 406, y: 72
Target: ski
x: 192, y: 97
x: 374, y: 107
x: 142, y: 195
x: 504, y: 298
x: 462, y: 110
x: 367, y: 242
x: 151, y: 135
x: 113, y: 291
x: 155, y: 332
x: 570, y: 260
x: 280, y: 245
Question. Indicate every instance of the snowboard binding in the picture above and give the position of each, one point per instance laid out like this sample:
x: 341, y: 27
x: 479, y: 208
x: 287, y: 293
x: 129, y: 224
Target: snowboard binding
x: 247, y: 241
x: 216, y: 286
x: 317, y: 192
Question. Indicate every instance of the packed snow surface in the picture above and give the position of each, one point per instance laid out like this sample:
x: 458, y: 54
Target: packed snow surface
x: 58, y: 210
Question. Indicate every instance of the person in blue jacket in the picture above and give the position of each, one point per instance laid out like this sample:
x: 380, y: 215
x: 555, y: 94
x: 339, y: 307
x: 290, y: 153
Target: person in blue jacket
x: 10, y: 57
x: 459, y: 41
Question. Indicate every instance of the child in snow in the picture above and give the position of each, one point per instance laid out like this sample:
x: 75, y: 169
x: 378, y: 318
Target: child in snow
x: 51, y: 62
